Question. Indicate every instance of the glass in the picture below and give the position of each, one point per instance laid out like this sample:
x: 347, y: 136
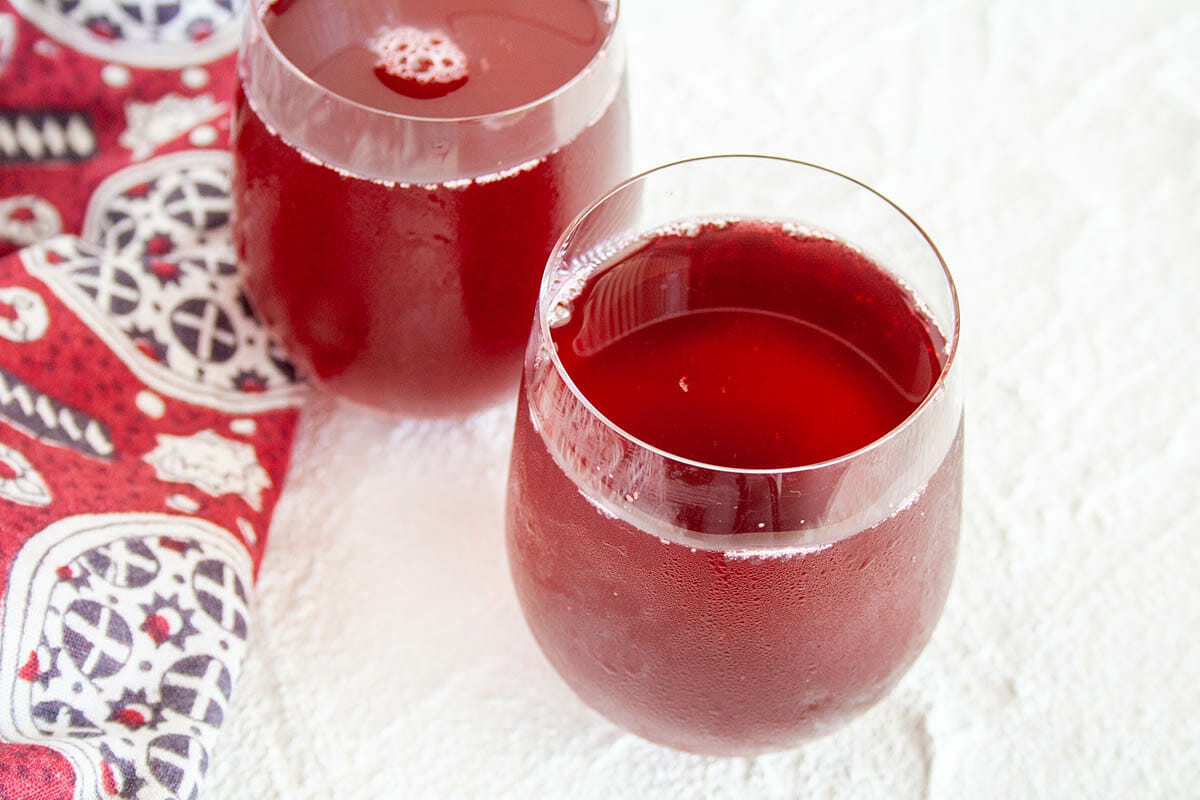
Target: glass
x: 718, y: 609
x: 397, y: 256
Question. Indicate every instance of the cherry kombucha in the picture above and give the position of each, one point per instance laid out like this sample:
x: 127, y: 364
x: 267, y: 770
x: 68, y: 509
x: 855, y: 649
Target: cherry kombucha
x: 734, y: 348
x: 413, y: 295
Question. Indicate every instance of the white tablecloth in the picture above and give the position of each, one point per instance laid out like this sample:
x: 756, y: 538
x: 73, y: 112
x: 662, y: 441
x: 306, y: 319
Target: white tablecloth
x: 1053, y: 152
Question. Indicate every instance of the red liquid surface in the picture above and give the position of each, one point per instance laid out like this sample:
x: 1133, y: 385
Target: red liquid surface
x: 743, y: 347
x: 417, y: 298
x: 758, y: 350
x: 517, y: 50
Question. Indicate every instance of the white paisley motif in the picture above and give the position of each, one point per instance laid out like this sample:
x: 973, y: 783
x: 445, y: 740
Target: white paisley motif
x: 161, y: 285
x: 27, y: 218
x: 123, y: 654
x: 213, y: 464
x: 160, y: 34
x: 30, y: 318
x: 26, y: 486
x: 151, y: 125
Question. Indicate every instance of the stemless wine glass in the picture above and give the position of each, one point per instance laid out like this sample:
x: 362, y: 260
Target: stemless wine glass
x: 718, y: 609
x: 397, y: 256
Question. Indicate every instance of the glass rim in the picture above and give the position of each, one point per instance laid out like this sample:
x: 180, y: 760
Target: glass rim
x: 934, y: 391
x: 256, y: 20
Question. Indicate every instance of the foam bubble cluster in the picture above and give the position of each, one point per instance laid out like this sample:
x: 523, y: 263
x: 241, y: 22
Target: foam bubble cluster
x: 419, y: 63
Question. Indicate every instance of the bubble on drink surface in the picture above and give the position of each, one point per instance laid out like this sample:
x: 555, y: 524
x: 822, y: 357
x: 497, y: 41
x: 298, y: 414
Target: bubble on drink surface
x: 558, y: 315
x: 492, y: 177
x: 419, y: 63
x: 801, y: 231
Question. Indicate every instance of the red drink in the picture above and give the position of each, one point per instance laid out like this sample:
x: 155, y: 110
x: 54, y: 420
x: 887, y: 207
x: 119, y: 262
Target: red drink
x: 793, y: 349
x: 750, y: 346
x: 409, y: 286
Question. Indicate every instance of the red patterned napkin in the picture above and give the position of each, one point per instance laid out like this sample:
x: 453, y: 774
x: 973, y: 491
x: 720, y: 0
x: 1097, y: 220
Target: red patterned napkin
x: 145, y: 416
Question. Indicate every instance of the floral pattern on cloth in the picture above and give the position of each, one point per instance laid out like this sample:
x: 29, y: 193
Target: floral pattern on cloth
x: 146, y: 415
x: 88, y: 87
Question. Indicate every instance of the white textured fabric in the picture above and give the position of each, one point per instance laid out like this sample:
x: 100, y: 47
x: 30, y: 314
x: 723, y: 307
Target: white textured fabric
x: 1053, y: 153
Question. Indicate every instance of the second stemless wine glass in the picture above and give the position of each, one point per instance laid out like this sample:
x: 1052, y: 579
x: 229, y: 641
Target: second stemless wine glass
x: 397, y: 255
x: 735, y: 490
